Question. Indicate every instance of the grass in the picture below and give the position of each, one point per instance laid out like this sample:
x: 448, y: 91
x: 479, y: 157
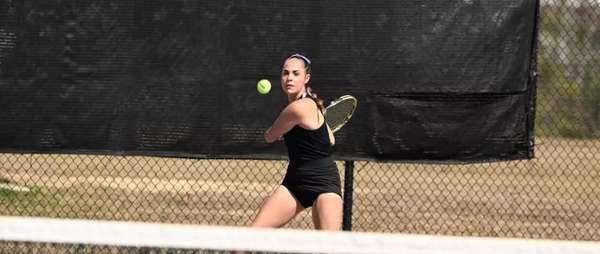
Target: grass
x: 8, y: 188
x: 4, y: 180
x: 555, y: 196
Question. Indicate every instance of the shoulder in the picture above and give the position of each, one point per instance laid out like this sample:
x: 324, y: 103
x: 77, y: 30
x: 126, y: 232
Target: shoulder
x: 301, y: 106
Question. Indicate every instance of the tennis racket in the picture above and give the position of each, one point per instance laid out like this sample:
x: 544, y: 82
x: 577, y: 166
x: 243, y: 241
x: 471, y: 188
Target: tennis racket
x: 339, y: 112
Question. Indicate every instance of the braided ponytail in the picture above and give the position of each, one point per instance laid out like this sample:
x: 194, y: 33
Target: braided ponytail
x: 318, y: 100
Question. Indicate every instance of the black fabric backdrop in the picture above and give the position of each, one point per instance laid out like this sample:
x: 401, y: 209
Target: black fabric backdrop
x: 436, y: 81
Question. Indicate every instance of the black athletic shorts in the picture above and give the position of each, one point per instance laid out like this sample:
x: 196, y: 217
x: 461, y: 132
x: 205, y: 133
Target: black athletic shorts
x: 307, y: 180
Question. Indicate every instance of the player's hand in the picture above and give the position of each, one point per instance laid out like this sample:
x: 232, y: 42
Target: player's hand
x: 280, y: 138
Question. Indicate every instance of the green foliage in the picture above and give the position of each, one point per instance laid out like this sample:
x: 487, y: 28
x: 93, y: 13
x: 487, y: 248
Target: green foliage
x: 568, y: 102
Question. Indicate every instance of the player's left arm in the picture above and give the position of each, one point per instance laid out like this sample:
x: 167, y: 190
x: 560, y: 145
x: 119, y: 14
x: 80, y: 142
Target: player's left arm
x: 288, y: 118
x: 331, y: 137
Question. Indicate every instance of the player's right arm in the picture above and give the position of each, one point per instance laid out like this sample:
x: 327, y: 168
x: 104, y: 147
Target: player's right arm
x: 288, y: 118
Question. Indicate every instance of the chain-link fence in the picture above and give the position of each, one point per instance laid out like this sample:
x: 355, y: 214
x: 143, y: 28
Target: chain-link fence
x: 555, y: 196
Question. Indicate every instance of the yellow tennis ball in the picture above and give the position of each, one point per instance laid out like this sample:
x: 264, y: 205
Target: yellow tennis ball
x: 264, y: 86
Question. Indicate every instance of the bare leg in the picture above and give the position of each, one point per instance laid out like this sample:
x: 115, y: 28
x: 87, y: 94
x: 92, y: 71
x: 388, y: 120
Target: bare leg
x: 277, y: 210
x: 327, y: 212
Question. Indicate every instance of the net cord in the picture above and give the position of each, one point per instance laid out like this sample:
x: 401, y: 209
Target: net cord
x: 132, y: 234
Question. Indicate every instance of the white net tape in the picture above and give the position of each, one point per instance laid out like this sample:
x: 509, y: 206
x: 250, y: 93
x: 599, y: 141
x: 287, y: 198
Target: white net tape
x: 133, y: 234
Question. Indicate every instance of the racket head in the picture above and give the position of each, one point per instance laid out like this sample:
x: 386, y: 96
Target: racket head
x: 339, y: 112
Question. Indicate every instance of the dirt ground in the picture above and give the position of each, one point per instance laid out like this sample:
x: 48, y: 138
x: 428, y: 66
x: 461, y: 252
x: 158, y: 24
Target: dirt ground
x: 555, y: 196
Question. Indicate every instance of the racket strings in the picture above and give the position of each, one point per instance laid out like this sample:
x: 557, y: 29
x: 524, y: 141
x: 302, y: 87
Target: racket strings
x: 339, y: 113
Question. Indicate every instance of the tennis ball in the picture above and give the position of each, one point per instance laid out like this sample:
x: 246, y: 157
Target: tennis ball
x: 264, y: 86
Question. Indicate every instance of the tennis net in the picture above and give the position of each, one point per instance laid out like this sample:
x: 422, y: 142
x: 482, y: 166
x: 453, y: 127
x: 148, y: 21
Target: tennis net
x: 45, y: 235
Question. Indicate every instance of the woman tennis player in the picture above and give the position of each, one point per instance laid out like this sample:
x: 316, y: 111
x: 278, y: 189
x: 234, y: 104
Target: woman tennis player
x: 312, y: 178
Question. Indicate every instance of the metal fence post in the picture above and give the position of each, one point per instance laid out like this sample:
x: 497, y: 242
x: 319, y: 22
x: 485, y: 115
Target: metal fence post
x: 348, y: 189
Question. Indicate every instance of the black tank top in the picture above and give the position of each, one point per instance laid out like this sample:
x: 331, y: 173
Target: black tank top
x: 304, y: 145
